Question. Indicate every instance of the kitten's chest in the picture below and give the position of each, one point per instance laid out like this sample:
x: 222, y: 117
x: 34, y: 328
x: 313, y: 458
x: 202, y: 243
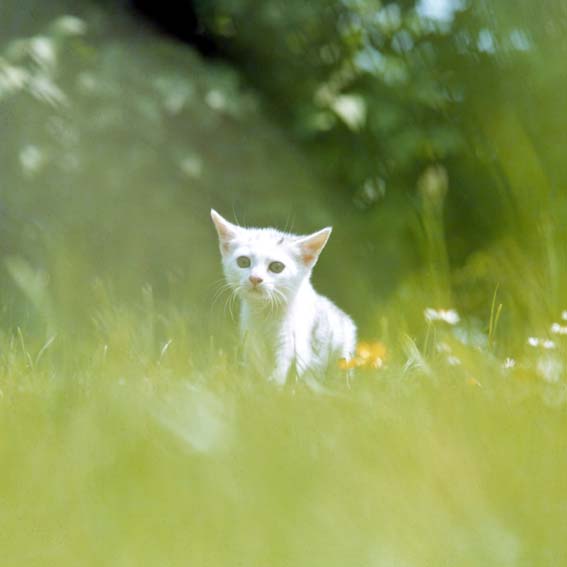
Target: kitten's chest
x: 264, y: 336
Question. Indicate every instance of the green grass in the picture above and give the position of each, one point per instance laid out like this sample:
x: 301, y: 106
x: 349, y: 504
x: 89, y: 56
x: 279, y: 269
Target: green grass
x: 143, y: 443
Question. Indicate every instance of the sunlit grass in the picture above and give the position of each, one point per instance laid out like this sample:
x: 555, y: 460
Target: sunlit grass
x: 132, y: 433
x: 143, y: 443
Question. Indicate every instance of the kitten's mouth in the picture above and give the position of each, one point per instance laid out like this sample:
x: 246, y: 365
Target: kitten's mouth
x: 256, y: 292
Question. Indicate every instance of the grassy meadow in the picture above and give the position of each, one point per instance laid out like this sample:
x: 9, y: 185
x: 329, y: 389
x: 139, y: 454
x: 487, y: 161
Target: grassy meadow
x: 130, y: 432
x: 145, y: 443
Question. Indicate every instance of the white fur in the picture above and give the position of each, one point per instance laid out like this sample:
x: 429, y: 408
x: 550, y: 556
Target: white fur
x: 285, y: 324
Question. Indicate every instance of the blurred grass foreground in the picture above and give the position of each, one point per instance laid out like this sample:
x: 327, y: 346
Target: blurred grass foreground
x: 431, y: 135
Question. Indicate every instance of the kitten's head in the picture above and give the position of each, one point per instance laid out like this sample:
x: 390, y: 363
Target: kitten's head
x: 264, y: 265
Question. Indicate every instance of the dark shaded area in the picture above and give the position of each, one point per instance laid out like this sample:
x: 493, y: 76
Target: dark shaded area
x: 179, y: 20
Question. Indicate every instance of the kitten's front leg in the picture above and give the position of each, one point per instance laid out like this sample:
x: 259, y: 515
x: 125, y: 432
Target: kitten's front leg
x: 284, y: 360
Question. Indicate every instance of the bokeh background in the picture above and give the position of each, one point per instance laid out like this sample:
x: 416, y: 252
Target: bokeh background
x: 431, y: 134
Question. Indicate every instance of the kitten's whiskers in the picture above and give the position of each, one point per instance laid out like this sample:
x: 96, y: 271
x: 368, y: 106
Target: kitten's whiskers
x: 221, y: 289
x: 280, y: 297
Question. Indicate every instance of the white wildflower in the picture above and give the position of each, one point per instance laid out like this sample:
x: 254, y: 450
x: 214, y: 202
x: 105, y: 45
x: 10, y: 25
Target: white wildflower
x: 547, y: 344
x: 42, y: 50
x: 69, y: 25
x: 44, y: 89
x: 351, y: 109
x: 191, y: 165
x: 31, y: 159
x: 433, y: 183
x: 453, y: 361
x: 509, y: 363
x: 443, y: 347
x: 175, y: 93
x: 471, y: 336
x: 12, y: 78
x: 216, y: 100
x: 564, y: 315
x: 549, y: 368
x: 449, y: 316
x: 519, y: 40
x: 175, y: 101
x: 558, y: 329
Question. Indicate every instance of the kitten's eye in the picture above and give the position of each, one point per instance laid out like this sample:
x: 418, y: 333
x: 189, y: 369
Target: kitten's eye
x: 243, y: 261
x: 276, y: 267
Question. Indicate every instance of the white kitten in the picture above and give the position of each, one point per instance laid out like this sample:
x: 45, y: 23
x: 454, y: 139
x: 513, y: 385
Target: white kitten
x: 284, y: 323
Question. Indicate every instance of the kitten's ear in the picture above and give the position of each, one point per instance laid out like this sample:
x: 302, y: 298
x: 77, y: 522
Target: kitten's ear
x: 310, y: 246
x: 226, y: 230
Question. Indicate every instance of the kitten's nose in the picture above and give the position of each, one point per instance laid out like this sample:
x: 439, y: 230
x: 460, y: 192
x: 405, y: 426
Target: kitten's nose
x: 255, y: 280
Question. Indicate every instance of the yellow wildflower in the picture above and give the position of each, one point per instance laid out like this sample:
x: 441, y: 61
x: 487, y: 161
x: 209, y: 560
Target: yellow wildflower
x: 368, y: 355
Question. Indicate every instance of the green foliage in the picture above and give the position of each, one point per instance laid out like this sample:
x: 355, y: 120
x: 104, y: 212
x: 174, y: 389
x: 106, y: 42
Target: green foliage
x: 360, y: 81
x: 117, y: 150
x: 378, y: 92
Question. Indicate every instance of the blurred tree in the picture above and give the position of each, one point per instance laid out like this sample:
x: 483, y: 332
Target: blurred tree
x: 115, y: 144
x: 378, y: 90
x: 115, y: 131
